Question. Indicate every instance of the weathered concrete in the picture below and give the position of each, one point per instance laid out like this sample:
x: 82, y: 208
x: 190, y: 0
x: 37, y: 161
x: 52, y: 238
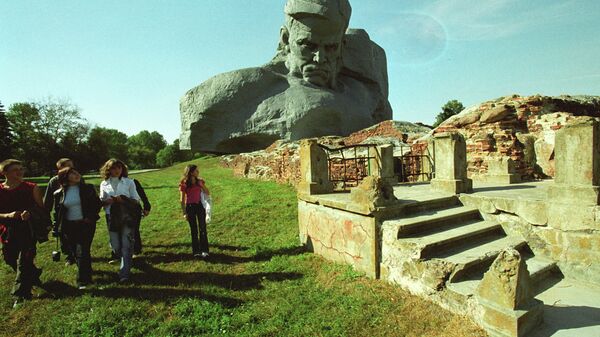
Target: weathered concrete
x: 340, y: 236
x: 450, y: 157
x: 500, y: 171
x: 314, y: 169
x: 577, y: 161
x: 505, y: 294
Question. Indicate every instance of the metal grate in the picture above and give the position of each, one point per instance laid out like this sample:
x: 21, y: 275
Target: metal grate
x: 348, y: 165
x: 411, y: 168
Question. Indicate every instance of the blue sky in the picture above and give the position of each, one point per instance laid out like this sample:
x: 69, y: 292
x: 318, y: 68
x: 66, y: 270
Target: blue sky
x: 127, y: 63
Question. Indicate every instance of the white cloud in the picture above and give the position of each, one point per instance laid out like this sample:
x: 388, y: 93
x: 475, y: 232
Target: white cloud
x: 471, y: 20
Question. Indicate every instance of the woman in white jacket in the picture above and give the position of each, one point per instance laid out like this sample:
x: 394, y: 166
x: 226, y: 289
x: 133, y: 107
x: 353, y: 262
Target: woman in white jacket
x: 118, y: 190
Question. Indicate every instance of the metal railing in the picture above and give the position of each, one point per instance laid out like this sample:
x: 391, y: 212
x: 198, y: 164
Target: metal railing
x: 348, y: 165
x: 411, y: 168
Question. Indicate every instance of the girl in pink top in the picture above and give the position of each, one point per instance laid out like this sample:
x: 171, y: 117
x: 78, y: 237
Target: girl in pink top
x: 191, y: 188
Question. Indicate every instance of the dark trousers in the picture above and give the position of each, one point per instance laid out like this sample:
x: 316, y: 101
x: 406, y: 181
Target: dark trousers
x: 137, y: 244
x: 196, y: 216
x: 81, y: 235
x: 68, y: 248
x: 19, y: 252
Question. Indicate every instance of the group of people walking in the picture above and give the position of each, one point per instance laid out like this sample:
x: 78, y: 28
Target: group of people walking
x: 25, y: 218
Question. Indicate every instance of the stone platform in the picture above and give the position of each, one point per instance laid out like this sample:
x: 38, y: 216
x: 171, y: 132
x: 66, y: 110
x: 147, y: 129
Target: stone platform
x: 438, y: 245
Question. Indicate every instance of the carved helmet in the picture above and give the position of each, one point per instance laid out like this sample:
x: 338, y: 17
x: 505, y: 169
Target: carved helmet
x: 337, y: 11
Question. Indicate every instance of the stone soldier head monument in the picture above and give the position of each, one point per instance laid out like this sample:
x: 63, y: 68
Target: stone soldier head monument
x: 325, y: 79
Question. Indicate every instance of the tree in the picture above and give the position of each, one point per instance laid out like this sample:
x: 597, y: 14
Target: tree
x: 104, y: 143
x: 143, y: 148
x: 171, y: 154
x: 449, y: 109
x: 5, y: 135
x: 40, y: 131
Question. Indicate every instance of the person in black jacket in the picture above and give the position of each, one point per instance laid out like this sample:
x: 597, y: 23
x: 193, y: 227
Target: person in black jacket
x: 53, y: 185
x: 76, y: 212
x: 137, y: 246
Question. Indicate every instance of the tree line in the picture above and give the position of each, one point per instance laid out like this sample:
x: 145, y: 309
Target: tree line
x: 40, y: 132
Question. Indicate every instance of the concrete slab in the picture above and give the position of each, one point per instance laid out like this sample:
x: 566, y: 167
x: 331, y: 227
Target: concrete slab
x: 571, y: 308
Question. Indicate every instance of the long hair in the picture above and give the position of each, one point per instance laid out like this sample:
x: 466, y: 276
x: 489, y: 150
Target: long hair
x: 105, y: 169
x: 186, y: 179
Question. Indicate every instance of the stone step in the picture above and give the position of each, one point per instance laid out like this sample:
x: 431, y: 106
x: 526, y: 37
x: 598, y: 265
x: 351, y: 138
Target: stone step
x: 479, y: 256
x: 436, y: 219
x: 469, y: 231
x: 430, y: 205
x: 538, y: 267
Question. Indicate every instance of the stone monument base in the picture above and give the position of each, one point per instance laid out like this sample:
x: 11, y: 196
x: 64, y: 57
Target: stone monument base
x: 514, y: 323
x: 452, y: 185
x: 581, y: 195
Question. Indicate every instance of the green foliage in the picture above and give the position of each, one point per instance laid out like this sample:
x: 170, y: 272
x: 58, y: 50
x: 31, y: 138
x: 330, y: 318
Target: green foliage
x: 449, y: 109
x: 257, y: 282
x: 107, y: 143
x: 5, y: 135
x: 143, y: 149
x: 171, y: 154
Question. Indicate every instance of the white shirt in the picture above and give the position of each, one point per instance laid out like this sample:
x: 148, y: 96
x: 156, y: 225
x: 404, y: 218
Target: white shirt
x: 73, y: 203
x: 125, y: 187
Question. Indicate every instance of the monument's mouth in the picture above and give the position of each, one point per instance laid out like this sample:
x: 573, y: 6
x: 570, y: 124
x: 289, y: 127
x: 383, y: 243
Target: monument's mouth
x: 318, y: 75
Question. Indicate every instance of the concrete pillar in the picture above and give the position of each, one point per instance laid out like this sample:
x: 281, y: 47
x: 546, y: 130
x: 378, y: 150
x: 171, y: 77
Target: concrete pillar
x: 577, y: 163
x: 501, y: 171
x: 450, y: 155
x: 382, y: 163
x: 506, y: 297
x: 314, y: 169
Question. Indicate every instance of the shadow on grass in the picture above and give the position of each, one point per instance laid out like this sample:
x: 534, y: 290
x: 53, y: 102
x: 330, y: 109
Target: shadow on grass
x: 221, y: 258
x: 152, y: 276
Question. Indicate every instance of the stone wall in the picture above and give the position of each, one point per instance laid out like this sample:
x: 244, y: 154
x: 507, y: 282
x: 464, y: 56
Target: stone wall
x: 339, y: 236
x: 515, y: 127
x: 566, y: 233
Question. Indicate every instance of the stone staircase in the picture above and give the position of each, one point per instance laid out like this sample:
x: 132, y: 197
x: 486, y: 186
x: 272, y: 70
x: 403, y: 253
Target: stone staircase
x: 445, y: 245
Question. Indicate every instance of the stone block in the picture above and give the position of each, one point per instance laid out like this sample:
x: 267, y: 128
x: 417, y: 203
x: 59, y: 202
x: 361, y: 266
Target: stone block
x: 373, y: 192
x: 577, y: 153
x: 450, y: 155
x: 501, y: 171
x: 452, y: 186
x: 505, y: 294
x: 314, y: 169
x: 382, y: 162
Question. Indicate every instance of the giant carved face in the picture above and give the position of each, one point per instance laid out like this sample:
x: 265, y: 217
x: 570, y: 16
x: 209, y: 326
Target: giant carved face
x: 314, y: 54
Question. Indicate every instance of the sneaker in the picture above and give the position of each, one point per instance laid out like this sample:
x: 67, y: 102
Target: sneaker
x: 113, y: 261
x: 69, y: 261
x: 123, y: 280
x: 204, y: 254
x: 18, y: 302
x: 197, y: 255
x: 135, y: 256
x: 82, y: 287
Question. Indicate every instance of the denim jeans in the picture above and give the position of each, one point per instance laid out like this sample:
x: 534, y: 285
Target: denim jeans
x: 122, y: 244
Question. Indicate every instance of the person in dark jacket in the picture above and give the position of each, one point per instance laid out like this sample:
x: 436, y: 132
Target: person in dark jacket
x: 137, y: 246
x: 53, y: 186
x: 76, y: 207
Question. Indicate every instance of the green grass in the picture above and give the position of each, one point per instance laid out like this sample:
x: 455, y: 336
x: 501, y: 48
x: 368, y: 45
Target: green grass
x: 257, y: 282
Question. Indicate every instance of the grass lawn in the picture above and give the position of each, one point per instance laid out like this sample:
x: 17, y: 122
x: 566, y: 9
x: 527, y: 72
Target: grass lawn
x: 256, y: 282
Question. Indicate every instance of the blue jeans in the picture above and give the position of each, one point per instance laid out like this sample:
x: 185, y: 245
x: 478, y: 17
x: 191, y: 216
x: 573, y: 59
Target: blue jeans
x: 121, y: 243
